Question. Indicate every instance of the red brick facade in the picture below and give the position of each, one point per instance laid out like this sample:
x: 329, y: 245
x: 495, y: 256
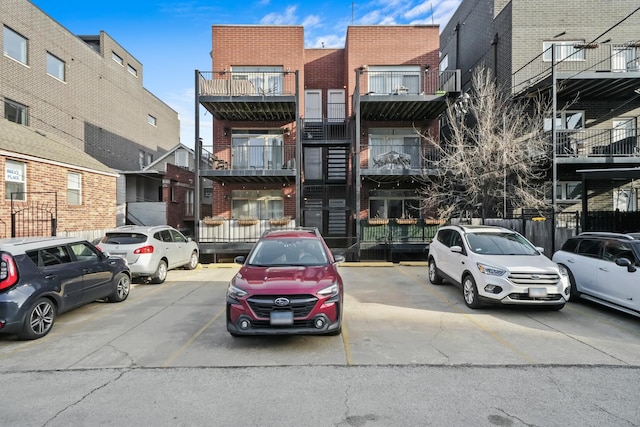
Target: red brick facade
x: 97, y: 210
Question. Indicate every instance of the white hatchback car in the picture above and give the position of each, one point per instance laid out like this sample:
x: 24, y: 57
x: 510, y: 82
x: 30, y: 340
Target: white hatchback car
x: 151, y: 251
x: 604, y: 268
x: 496, y: 265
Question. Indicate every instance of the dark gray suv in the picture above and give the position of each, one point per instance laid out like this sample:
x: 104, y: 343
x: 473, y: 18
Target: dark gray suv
x: 41, y: 277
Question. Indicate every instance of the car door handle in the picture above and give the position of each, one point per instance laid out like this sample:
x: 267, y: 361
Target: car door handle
x: 86, y: 270
x: 603, y: 269
x: 50, y: 276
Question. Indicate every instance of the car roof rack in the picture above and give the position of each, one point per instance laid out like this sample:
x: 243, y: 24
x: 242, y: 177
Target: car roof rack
x: 606, y: 234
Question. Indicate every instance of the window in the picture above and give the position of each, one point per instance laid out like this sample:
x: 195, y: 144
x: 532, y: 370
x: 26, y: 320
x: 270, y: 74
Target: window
x: 568, y: 190
x: 394, y: 207
x: 399, y: 80
x: 257, y: 149
x: 148, y: 159
x: 117, y: 58
x: 15, y: 46
x: 565, y: 50
x: 265, y: 80
x: 444, y: 62
x: 16, y: 112
x: 566, y: 120
x: 261, y: 204
x: 392, y: 149
x: 15, y: 180
x: 83, y: 252
x: 182, y: 158
x: 151, y: 120
x: 50, y: 256
x: 74, y: 188
x: 132, y: 70
x: 141, y: 159
x: 55, y: 67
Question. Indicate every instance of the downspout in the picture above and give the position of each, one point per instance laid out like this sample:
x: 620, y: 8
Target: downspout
x: 356, y: 157
x: 298, y: 156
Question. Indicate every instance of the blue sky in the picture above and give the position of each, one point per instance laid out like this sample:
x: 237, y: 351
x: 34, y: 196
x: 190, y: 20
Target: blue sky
x: 173, y: 38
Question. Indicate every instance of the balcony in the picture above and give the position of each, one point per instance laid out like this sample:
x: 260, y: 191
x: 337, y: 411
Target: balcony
x: 389, y: 162
x: 255, y: 163
x: 592, y: 71
x: 249, y: 96
x: 597, y: 146
x: 405, y: 95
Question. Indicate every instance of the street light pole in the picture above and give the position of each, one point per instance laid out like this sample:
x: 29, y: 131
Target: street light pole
x: 554, y: 137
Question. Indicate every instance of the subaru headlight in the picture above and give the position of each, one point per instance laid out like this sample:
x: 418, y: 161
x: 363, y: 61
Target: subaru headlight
x: 235, y: 292
x: 330, y: 290
x: 489, y: 270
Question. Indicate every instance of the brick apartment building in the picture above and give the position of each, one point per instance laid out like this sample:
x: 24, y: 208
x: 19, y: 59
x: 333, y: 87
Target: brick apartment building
x: 328, y: 138
x: 87, y: 90
x: 597, y: 71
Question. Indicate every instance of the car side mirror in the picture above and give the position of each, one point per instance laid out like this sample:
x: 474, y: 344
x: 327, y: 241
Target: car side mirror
x: 540, y: 249
x: 239, y: 260
x: 624, y: 262
x: 338, y: 258
x: 457, y: 249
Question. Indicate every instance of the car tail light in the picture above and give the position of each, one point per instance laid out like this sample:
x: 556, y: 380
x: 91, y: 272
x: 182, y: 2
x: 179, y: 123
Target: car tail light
x: 8, y: 271
x: 144, y: 250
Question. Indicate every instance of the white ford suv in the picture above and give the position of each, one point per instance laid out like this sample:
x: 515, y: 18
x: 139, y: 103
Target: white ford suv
x: 496, y: 265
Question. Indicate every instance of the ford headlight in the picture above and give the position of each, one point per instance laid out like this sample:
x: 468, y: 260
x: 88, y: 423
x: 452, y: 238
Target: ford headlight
x: 489, y: 270
x: 330, y: 290
x: 563, y: 270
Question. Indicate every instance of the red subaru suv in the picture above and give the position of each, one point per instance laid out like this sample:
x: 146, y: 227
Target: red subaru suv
x: 288, y: 284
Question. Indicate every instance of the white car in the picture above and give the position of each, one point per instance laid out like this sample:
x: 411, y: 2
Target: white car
x: 496, y: 265
x: 151, y: 251
x: 604, y: 268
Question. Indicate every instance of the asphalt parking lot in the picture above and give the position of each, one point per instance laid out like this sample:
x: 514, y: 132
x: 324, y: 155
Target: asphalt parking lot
x: 397, y: 327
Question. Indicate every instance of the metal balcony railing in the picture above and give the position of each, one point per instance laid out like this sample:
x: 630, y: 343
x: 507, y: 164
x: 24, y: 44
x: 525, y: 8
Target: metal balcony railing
x: 391, y: 231
x: 597, y: 142
x: 240, y: 230
x: 576, y: 59
x: 243, y: 83
x: 249, y: 157
x: 409, y: 82
x: 398, y: 157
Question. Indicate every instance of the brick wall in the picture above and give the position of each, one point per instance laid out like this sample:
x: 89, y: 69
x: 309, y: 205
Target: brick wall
x: 98, y: 208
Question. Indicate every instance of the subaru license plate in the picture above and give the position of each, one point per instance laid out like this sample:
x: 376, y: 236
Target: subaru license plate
x: 537, y: 292
x: 282, y: 318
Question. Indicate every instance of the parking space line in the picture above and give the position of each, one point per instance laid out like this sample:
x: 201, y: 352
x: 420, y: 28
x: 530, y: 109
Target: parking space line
x: 190, y: 341
x: 469, y: 317
x: 345, y: 343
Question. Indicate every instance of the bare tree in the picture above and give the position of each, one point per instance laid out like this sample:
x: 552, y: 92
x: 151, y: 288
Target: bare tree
x: 494, y: 151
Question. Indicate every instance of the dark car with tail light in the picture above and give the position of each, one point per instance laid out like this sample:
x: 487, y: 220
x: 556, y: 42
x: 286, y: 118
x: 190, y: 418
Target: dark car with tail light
x: 41, y: 277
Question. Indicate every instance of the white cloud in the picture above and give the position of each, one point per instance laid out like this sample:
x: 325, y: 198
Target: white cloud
x: 288, y: 17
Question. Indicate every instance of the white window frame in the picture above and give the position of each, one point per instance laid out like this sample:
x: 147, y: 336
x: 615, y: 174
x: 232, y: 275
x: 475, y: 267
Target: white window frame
x: 564, y: 119
x: 15, y: 178
x: 565, y: 50
x: 74, y: 188
x: 444, y: 62
x: 16, y: 46
x: 132, y: 70
x: 258, y: 150
x: 55, y: 67
x: 394, y: 79
x: 152, y: 120
x: 266, y: 80
x: 564, y: 188
x: 259, y: 204
x: 383, y: 211
x: 117, y: 58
